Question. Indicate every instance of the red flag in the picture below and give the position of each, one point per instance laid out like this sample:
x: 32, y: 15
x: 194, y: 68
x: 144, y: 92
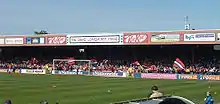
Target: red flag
x: 71, y: 61
x: 136, y: 63
x: 33, y: 60
x: 94, y: 61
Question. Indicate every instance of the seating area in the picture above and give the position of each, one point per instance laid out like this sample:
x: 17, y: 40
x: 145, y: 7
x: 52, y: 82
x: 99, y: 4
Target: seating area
x: 149, y: 59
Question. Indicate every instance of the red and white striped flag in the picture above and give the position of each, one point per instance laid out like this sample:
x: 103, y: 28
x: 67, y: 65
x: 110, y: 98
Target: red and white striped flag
x: 179, y: 64
x: 71, y: 61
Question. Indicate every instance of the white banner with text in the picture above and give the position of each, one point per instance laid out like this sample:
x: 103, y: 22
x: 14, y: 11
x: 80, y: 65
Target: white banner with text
x: 33, y: 71
x: 95, y: 39
x: 17, y: 41
x: 200, y: 37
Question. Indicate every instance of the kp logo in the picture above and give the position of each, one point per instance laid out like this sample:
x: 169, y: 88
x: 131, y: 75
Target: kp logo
x: 189, y: 37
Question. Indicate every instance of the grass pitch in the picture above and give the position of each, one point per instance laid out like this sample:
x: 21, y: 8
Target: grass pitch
x: 31, y: 89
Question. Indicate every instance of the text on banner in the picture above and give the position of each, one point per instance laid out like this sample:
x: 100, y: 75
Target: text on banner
x: 95, y: 39
x: 2, y: 41
x: 33, y: 71
x: 199, y: 37
x: 14, y: 41
x: 158, y: 76
x: 35, y: 40
x: 209, y: 77
x: 165, y: 37
x: 56, y: 40
x: 73, y: 72
x: 109, y: 74
x: 218, y: 37
x: 3, y: 70
x: 186, y: 76
x: 136, y: 38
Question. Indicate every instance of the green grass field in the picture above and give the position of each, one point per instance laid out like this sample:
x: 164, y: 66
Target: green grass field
x: 31, y: 89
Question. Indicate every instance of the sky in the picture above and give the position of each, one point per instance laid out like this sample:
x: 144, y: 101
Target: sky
x: 19, y: 17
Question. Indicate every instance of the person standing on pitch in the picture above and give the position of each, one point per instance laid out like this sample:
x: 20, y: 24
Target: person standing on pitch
x: 8, y: 102
x: 155, y: 93
x: 209, y: 99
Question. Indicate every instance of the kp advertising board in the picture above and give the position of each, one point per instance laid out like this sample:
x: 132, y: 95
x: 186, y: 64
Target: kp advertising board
x: 56, y: 39
x: 135, y: 38
x: 95, y: 39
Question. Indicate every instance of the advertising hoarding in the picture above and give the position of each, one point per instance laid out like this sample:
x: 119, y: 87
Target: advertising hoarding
x: 3, y: 70
x: 109, y: 74
x: 72, y: 72
x: 187, y: 76
x: 135, y: 38
x: 158, y: 76
x: 16, y: 41
x: 165, y: 37
x: 33, y: 71
x: 199, y: 37
x: 56, y: 40
x: 137, y: 75
x: 35, y: 40
x: 209, y: 77
x: 95, y: 39
x: 218, y: 37
x: 2, y: 41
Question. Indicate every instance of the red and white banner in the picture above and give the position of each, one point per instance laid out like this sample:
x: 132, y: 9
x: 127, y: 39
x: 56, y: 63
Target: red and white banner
x: 56, y: 40
x: 135, y: 38
x: 14, y: 40
x: 178, y: 64
x: 95, y: 39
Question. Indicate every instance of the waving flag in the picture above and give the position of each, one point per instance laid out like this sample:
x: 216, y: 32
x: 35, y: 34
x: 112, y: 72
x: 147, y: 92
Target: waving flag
x: 179, y: 64
x: 93, y: 61
x: 136, y: 63
x: 33, y: 60
x: 71, y: 61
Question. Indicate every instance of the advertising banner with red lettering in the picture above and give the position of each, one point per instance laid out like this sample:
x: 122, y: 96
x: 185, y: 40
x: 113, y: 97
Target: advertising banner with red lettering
x: 95, y: 39
x: 56, y: 40
x: 135, y: 38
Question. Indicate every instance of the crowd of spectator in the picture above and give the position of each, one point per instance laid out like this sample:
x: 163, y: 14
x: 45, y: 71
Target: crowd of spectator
x: 24, y: 64
x: 149, y: 59
x: 147, y: 66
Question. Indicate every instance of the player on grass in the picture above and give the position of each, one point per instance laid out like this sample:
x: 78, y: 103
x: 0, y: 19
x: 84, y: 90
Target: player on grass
x: 155, y: 93
x: 209, y: 99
